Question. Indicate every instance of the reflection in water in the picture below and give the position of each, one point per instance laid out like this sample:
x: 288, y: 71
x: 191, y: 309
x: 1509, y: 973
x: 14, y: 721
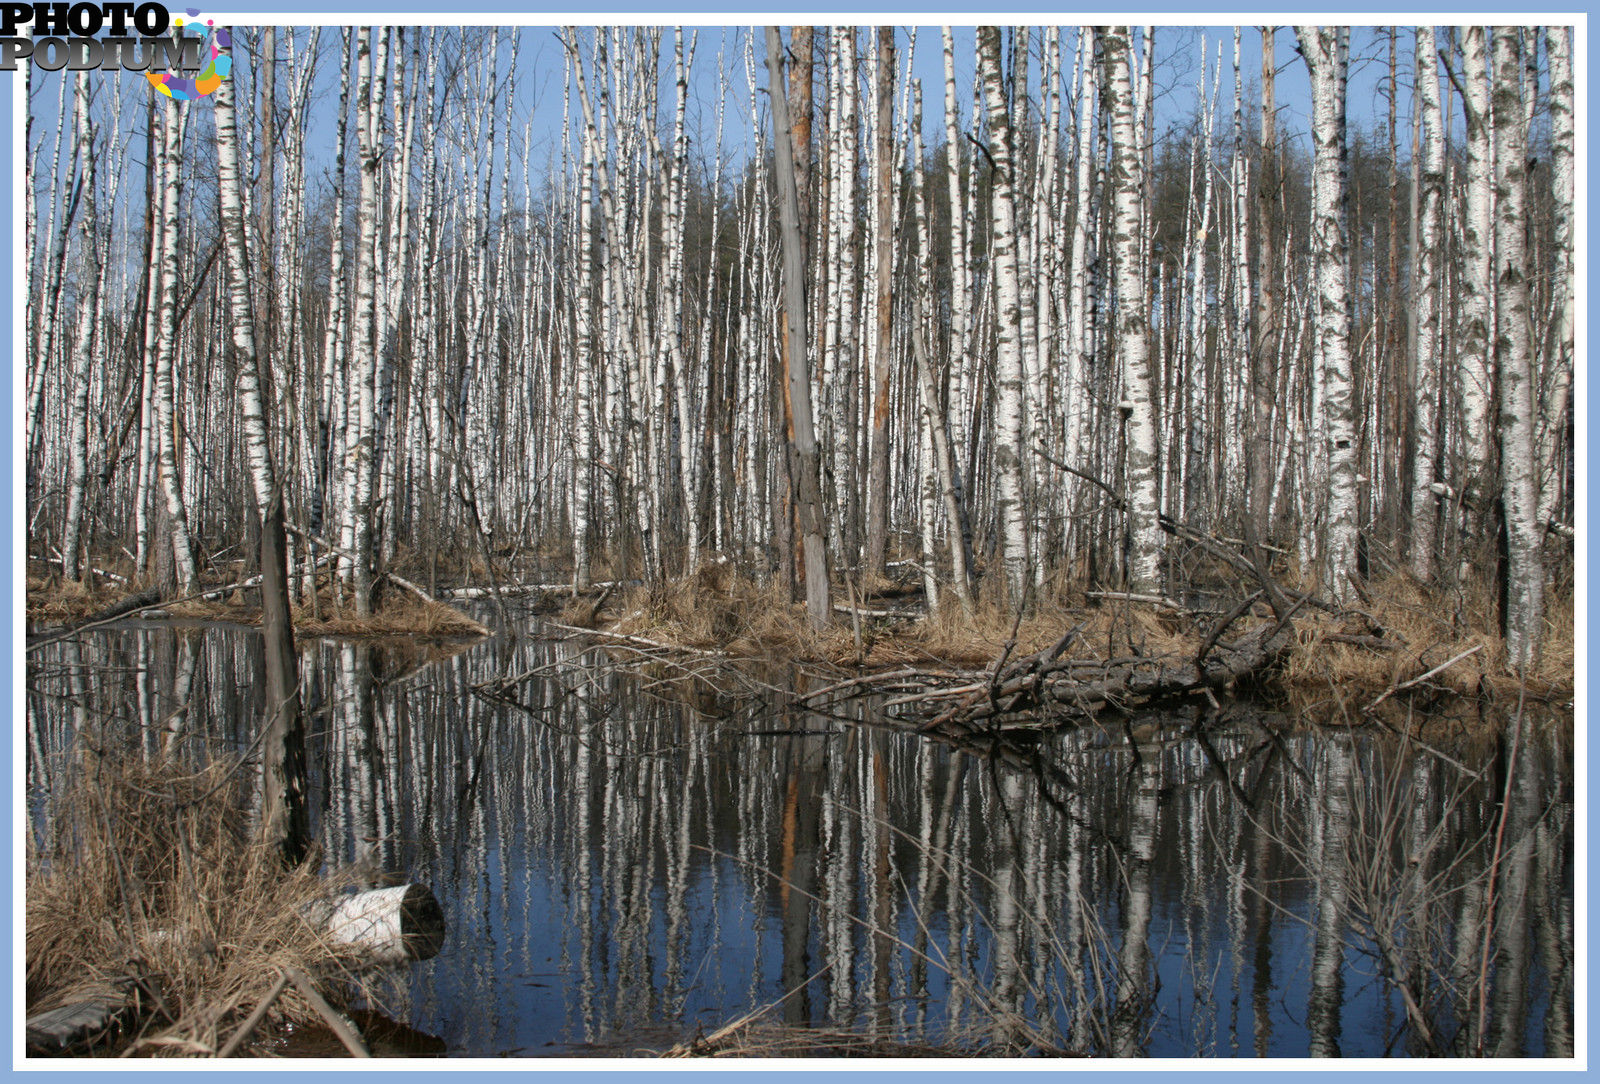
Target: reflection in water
x: 629, y: 857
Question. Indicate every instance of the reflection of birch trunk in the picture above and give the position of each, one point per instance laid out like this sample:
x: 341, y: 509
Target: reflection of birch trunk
x: 580, y: 847
x: 353, y: 712
x: 182, y: 687
x: 934, y: 869
x: 1329, y: 871
x: 1552, y: 915
x: 1511, y: 952
x: 1008, y: 889
x: 1133, y: 957
x: 797, y: 873
x: 882, y: 893
x: 838, y: 880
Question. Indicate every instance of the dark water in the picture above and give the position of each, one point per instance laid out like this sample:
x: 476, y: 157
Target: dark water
x: 630, y: 855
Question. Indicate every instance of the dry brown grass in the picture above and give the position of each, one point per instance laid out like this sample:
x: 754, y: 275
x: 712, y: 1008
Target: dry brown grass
x: 1407, y: 630
x: 396, y: 612
x: 53, y: 601
x: 155, y: 871
x: 716, y: 608
x: 772, y: 1039
x: 1425, y: 628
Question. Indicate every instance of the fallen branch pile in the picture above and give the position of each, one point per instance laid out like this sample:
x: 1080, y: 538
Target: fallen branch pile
x: 1050, y: 687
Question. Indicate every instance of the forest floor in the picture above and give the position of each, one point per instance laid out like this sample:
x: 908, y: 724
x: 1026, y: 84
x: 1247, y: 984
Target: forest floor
x: 1403, y: 637
x: 62, y: 606
x: 1401, y: 633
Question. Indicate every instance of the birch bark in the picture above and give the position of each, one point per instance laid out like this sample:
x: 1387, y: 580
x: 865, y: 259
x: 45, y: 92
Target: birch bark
x: 1132, y: 328
x: 1513, y: 356
x: 1326, y: 59
x: 1426, y: 307
x: 1009, y: 422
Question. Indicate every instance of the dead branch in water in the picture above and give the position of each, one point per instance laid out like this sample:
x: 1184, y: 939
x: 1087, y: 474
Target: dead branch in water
x: 1009, y: 694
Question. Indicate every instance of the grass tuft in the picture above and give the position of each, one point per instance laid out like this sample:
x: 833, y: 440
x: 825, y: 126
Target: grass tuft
x: 154, y: 871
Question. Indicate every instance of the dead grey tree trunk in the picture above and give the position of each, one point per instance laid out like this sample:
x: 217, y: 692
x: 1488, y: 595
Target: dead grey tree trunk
x: 796, y: 358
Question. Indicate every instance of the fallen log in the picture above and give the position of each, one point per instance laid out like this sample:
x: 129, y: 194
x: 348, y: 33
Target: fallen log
x: 528, y: 589
x: 95, y: 1020
x: 386, y: 925
x: 1084, y: 688
x: 140, y: 601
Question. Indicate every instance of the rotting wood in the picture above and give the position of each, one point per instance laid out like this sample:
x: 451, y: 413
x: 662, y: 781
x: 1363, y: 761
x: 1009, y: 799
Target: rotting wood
x: 1067, y: 689
x: 84, y: 1024
x: 120, y: 608
x: 530, y: 589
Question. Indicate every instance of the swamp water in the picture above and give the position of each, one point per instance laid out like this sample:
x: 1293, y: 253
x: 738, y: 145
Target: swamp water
x: 631, y: 855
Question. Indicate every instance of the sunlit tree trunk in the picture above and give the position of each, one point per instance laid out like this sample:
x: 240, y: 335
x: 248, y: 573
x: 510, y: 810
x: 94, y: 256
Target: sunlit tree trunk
x: 1513, y: 357
x: 1132, y: 330
x: 1474, y: 382
x: 1557, y: 383
x: 584, y: 444
x: 363, y: 352
x: 1007, y: 444
x: 1326, y: 58
x: 87, y: 339
x: 883, y: 361
x: 1426, y: 275
x: 166, y: 350
x: 796, y: 353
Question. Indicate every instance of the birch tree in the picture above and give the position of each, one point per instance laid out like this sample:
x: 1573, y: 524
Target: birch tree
x: 1513, y: 356
x: 1557, y: 383
x: 1474, y: 383
x: 1132, y: 329
x: 187, y: 573
x: 795, y: 349
x: 363, y: 352
x: 285, y: 818
x: 87, y: 338
x: 1007, y: 447
x: 883, y: 175
x: 1426, y: 277
x: 1326, y: 59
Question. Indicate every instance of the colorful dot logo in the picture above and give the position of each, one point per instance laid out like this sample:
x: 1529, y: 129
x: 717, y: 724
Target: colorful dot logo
x: 218, y: 64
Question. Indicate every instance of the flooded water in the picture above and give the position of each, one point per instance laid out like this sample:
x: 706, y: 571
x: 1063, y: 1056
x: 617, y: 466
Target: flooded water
x: 628, y: 856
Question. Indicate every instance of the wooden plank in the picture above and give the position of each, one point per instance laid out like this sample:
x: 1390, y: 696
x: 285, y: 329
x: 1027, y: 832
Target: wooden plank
x: 84, y: 1023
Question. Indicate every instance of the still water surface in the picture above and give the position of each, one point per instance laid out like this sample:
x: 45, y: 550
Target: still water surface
x: 628, y: 856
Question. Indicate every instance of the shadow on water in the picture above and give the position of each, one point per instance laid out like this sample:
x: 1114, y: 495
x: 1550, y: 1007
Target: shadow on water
x: 631, y: 855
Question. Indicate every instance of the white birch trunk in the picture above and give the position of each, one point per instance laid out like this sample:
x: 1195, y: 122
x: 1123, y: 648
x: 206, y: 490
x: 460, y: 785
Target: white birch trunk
x: 1474, y: 382
x: 258, y: 451
x: 1425, y: 306
x: 363, y: 355
x: 87, y: 338
x: 1009, y: 422
x: 1513, y: 357
x: 166, y: 350
x: 1557, y: 382
x: 1132, y: 331
x: 1326, y: 59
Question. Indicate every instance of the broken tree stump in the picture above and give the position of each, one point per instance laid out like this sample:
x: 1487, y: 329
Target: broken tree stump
x: 387, y: 925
